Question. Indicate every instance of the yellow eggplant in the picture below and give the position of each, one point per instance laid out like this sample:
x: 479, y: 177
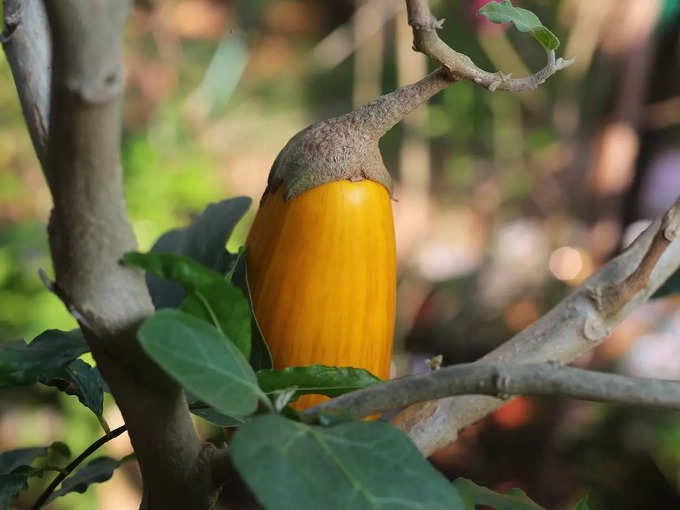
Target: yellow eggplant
x: 322, y: 273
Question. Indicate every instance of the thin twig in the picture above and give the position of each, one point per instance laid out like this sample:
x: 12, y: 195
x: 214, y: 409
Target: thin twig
x: 499, y: 380
x: 460, y: 66
x: 73, y: 465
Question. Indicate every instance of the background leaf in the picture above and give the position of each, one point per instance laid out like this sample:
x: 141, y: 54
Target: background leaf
x: 318, y: 379
x: 12, y: 459
x: 96, y: 471
x: 202, y: 360
x: 204, y: 241
x: 52, y: 350
x: 208, y: 295
x: 354, y: 465
x: 474, y: 495
x: 523, y: 19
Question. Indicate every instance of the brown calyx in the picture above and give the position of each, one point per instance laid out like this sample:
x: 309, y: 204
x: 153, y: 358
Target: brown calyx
x: 346, y: 147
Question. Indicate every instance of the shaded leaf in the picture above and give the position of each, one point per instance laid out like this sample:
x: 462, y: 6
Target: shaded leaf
x: 354, y: 465
x: 12, y: 459
x: 204, y: 241
x: 473, y: 494
x: 96, y: 471
x: 195, y: 354
x: 208, y: 295
x: 583, y: 502
x: 83, y: 380
x: 523, y: 19
x: 318, y: 379
x: 10, y: 485
x: 22, y: 363
x: 219, y: 419
x: 260, y: 355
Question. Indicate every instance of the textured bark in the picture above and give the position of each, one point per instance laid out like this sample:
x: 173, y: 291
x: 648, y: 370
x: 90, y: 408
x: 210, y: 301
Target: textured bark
x: 28, y: 49
x: 79, y: 148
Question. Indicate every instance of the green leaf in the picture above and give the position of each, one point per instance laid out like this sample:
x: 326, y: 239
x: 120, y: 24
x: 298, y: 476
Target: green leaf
x: 208, y: 295
x: 195, y: 354
x: 80, y: 379
x: 15, y: 469
x: 260, y: 355
x: 355, y: 465
x: 22, y: 363
x: 219, y: 419
x: 96, y: 471
x: 12, y: 459
x: 318, y: 379
x: 474, y: 495
x: 583, y: 502
x: 204, y: 241
x: 10, y: 485
x: 523, y: 19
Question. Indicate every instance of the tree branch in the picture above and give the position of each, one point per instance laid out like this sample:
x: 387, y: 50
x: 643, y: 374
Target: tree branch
x: 89, y: 229
x: 28, y: 49
x: 579, y: 323
x: 545, y: 379
x: 460, y: 66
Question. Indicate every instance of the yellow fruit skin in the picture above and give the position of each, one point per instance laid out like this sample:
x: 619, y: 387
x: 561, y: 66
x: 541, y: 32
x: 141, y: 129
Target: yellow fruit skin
x: 322, y: 273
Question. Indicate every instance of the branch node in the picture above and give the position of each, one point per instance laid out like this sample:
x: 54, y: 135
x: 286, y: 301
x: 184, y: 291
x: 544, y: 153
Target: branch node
x: 12, y: 22
x: 435, y: 363
x: 594, y: 329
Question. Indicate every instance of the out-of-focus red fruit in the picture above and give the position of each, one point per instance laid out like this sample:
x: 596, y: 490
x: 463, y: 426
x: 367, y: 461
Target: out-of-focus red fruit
x: 514, y: 414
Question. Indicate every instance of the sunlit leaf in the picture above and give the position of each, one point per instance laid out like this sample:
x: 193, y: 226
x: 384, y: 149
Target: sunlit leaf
x: 197, y: 355
x: 208, y: 295
x: 317, y: 379
x: 523, y: 19
x: 204, y: 241
x: 473, y: 495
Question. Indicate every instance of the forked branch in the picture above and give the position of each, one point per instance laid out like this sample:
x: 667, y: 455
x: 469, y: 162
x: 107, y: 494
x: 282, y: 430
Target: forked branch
x: 578, y: 324
x: 460, y: 66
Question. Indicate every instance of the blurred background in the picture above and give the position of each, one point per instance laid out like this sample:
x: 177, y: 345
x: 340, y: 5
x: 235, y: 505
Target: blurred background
x: 504, y: 203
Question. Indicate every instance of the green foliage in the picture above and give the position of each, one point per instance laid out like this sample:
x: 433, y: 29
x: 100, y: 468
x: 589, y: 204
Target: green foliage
x: 219, y: 419
x: 354, y: 465
x: 318, y: 379
x: 49, y: 353
x: 208, y: 295
x: 12, y: 459
x: 474, y: 495
x: 204, y: 241
x: 260, y: 355
x: 524, y: 21
x: 16, y: 469
x: 83, y: 380
x: 202, y: 360
x: 96, y: 471
x: 583, y: 503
